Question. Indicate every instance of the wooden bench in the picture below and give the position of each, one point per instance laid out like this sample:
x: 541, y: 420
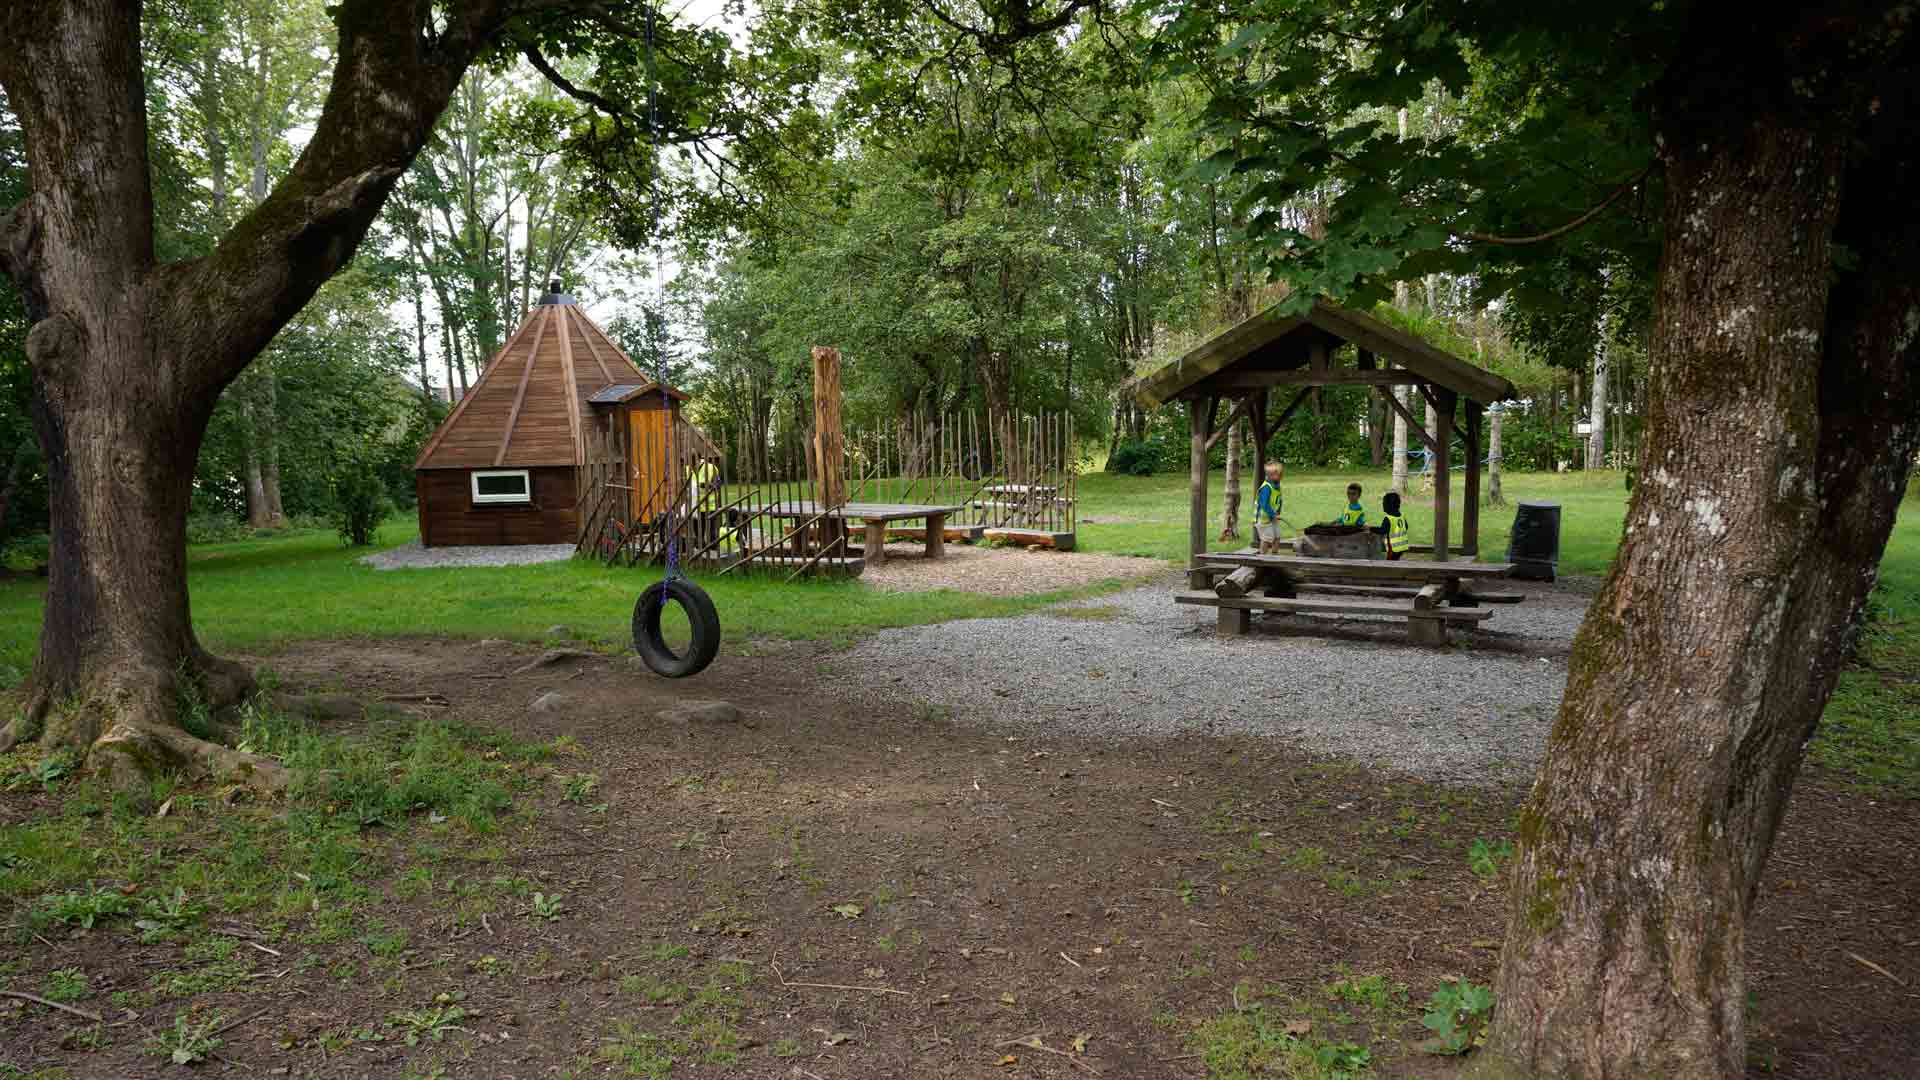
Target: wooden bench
x: 956, y: 534
x: 1059, y: 541
x: 1425, y: 625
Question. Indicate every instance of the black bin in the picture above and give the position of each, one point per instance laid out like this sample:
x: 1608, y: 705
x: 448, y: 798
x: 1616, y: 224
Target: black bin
x: 1534, y: 547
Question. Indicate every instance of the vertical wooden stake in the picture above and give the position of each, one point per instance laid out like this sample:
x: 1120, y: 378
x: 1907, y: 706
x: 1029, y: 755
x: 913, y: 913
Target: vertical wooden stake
x: 1442, y: 473
x: 829, y: 442
x: 1200, y: 420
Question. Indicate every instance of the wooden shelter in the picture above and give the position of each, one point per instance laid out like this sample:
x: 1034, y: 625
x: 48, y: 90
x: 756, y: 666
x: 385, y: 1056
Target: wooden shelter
x: 1243, y: 366
x: 507, y: 465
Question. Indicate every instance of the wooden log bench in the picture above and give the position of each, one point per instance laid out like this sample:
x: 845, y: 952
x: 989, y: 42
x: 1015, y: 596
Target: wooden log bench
x: 955, y: 534
x: 1426, y: 625
x: 1059, y: 541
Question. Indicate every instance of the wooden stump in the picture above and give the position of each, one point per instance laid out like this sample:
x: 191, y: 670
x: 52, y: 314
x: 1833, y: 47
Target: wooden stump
x: 1234, y: 621
x: 876, y: 552
x: 1237, y: 584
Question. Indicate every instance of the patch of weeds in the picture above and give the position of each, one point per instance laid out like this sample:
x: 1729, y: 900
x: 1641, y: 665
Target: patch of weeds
x: 220, y: 975
x: 187, y: 1042
x: 785, y: 1048
x: 637, y: 1052
x: 1370, y: 991
x: 432, y: 1022
x: 653, y: 990
x: 488, y: 965
x: 77, y: 908
x: 1485, y: 859
x: 576, y: 788
x: 695, y: 841
x: 1457, y: 1014
x: 66, y: 984
x: 665, y: 951
x: 385, y: 942
x: 1307, y: 858
x: 167, y: 916
x: 47, y: 772
x: 1254, y: 1042
x: 542, y: 906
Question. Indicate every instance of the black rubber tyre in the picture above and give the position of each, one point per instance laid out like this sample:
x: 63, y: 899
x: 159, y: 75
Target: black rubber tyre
x: 701, y: 617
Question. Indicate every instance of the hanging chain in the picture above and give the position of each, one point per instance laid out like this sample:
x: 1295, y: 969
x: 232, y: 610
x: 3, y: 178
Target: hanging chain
x: 659, y: 353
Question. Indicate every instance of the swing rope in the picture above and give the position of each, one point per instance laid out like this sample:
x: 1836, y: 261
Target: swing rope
x: 660, y: 354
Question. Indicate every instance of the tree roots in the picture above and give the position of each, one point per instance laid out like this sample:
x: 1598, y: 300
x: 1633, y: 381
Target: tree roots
x: 130, y: 728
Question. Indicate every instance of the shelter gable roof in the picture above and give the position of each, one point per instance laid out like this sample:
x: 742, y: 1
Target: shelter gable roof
x: 1270, y: 341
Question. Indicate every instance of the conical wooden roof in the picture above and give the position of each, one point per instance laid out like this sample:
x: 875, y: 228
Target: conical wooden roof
x: 530, y: 406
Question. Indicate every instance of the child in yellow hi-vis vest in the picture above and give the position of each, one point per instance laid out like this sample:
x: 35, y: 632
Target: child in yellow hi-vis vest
x: 1392, y: 525
x: 1354, y: 514
x: 1266, y: 509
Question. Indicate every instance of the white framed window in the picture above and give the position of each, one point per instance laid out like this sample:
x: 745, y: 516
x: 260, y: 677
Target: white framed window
x: 502, y: 486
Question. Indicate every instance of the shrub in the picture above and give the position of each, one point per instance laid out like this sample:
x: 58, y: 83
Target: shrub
x: 1132, y: 458
x: 360, y: 504
x: 216, y: 528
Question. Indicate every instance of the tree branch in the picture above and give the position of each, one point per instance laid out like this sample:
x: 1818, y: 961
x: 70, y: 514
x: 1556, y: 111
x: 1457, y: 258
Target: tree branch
x: 579, y: 93
x: 1589, y: 215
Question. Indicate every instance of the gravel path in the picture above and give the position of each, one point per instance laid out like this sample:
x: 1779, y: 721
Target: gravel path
x: 1007, y: 571
x: 411, y: 555
x: 1135, y: 665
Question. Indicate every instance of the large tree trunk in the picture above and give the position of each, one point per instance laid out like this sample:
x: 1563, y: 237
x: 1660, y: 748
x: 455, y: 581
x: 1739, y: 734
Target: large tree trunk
x: 1707, y: 658
x: 129, y: 355
x: 1230, y: 510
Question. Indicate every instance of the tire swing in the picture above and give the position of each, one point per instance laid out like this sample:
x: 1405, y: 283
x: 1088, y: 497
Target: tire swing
x: 702, y: 618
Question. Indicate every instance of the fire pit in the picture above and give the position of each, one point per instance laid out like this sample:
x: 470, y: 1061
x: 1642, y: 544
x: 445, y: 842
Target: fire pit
x: 1338, y: 542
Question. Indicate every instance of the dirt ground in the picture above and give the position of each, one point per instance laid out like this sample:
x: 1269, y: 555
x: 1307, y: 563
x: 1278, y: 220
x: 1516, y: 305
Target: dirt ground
x: 849, y: 890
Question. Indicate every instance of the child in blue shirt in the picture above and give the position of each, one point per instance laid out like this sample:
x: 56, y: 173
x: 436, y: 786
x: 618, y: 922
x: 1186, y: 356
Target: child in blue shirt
x: 1266, y: 509
x: 1354, y: 514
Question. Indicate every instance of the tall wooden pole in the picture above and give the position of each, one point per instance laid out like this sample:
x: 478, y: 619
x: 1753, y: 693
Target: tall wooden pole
x: 829, y: 442
x: 1200, y: 419
x: 1470, y: 513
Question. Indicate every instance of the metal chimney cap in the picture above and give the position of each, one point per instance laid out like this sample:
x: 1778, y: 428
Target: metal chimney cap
x: 555, y: 296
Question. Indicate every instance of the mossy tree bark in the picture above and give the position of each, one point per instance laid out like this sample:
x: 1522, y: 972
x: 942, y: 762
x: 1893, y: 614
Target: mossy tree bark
x: 1781, y: 423
x: 129, y: 354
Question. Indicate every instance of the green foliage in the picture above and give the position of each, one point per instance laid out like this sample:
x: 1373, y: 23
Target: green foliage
x: 360, y: 503
x: 80, y: 909
x: 1133, y: 458
x: 1485, y: 859
x: 1457, y: 1014
x: 1256, y: 1042
x: 67, y: 984
x: 188, y: 1042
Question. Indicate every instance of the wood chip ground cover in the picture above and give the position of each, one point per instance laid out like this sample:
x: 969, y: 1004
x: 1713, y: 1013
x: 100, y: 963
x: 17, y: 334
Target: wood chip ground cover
x: 819, y: 891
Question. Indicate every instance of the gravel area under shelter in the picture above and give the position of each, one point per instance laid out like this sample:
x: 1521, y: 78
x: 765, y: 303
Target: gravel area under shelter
x: 1000, y: 571
x: 411, y: 555
x: 1136, y: 665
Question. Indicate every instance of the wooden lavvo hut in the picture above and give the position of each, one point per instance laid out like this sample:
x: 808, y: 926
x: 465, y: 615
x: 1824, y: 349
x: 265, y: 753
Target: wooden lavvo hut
x: 509, y: 464
x: 1262, y: 370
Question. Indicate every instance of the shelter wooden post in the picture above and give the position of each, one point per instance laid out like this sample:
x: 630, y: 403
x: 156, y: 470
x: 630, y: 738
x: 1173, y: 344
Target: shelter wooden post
x: 1200, y: 419
x: 1470, y: 513
x: 1443, y: 400
x: 829, y: 443
x: 1258, y: 416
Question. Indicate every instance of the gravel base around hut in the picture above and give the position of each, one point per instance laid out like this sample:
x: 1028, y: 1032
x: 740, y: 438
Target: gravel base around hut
x: 411, y: 555
x: 1133, y: 665
x: 1004, y: 571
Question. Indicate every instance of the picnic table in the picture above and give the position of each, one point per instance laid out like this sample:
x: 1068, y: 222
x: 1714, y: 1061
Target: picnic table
x: 1429, y: 595
x: 876, y: 517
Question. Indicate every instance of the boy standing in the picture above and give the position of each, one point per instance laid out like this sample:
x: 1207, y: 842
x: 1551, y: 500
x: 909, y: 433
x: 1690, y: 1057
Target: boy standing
x: 1392, y: 525
x: 1354, y: 514
x: 1266, y: 509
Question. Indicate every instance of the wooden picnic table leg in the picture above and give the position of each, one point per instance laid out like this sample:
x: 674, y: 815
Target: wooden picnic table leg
x: 1233, y: 620
x: 1424, y: 630
x: 876, y: 552
x: 936, y: 536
